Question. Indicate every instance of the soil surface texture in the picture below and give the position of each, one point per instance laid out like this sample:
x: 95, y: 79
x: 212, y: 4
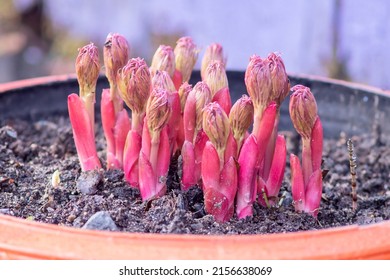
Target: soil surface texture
x: 30, y: 152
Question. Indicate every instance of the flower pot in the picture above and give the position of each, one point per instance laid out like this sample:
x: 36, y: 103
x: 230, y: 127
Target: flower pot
x: 343, y: 107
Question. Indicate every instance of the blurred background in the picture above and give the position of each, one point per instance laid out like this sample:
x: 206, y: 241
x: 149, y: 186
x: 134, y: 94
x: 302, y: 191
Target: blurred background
x: 344, y: 39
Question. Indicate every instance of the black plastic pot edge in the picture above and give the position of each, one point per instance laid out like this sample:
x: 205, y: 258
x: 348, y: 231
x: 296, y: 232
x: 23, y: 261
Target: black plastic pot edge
x: 346, y: 107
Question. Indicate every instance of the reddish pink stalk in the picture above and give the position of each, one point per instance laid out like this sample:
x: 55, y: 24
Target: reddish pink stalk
x: 297, y: 183
x: 115, y: 129
x: 309, y: 177
x: 317, y: 144
x: 251, y: 155
x: 271, y: 187
x: 192, y: 160
x: 188, y: 157
x: 108, y: 123
x: 174, y: 121
x: 270, y: 151
x: 189, y: 118
x: 200, y: 143
x: 83, y: 133
x: 222, y: 97
x: 177, y: 79
x: 246, y: 193
x: 132, y: 150
x: 277, y: 167
x: 307, y: 197
x: 180, y: 134
x: 121, y: 128
x: 313, y: 193
x: 219, y: 184
x: 306, y: 180
x: 264, y: 132
x: 183, y: 92
x: 154, y: 162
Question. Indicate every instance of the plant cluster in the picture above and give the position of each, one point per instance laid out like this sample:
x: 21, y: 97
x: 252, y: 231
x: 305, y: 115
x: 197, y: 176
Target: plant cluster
x: 234, y: 166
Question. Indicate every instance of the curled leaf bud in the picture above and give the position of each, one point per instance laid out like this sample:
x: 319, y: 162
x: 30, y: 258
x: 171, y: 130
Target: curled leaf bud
x: 241, y: 117
x: 216, y: 77
x: 216, y: 126
x: 279, y: 78
x: 214, y: 52
x: 258, y: 83
x: 303, y: 110
x: 134, y: 84
x: 158, y: 110
x: 87, y: 69
x: 183, y: 92
x: 163, y: 60
x: 115, y: 54
x: 186, y: 54
x: 162, y: 80
x: 202, y: 94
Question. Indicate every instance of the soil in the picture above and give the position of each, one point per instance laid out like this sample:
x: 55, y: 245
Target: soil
x: 30, y: 152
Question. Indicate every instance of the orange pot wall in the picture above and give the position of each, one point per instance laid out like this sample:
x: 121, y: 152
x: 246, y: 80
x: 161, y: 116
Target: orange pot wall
x: 21, y: 239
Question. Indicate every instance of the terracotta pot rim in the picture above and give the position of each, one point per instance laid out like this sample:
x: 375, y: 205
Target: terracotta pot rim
x: 19, y: 84
x: 21, y: 238
x: 28, y: 239
x: 15, y: 221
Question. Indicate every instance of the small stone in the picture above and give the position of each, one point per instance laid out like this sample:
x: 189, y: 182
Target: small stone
x: 88, y: 182
x: 371, y: 184
x: 287, y: 199
x: 33, y: 147
x: 8, y: 133
x: 101, y: 221
x: 71, y: 218
x: 5, y: 211
x: 196, y: 226
x: 43, y: 124
x: 198, y: 209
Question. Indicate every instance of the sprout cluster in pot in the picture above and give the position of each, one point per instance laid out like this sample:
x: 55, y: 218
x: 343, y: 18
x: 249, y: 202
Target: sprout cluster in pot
x: 233, y: 165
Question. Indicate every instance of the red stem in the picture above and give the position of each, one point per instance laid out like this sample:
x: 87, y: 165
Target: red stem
x: 307, y: 167
x: 155, y: 143
x: 269, y: 153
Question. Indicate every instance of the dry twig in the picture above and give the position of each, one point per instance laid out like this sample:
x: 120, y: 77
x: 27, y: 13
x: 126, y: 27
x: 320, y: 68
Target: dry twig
x: 352, y: 166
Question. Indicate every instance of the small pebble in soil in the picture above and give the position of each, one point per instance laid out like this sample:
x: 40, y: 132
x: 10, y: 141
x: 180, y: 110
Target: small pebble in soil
x: 286, y: 199
x: 101, y: 221
x: 5, y: 211
x: 372, y: 183
x: 89, y: 181
x: 8, y: 132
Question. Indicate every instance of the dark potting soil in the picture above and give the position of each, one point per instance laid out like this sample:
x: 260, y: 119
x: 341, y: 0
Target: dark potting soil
x: 30, y: 152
